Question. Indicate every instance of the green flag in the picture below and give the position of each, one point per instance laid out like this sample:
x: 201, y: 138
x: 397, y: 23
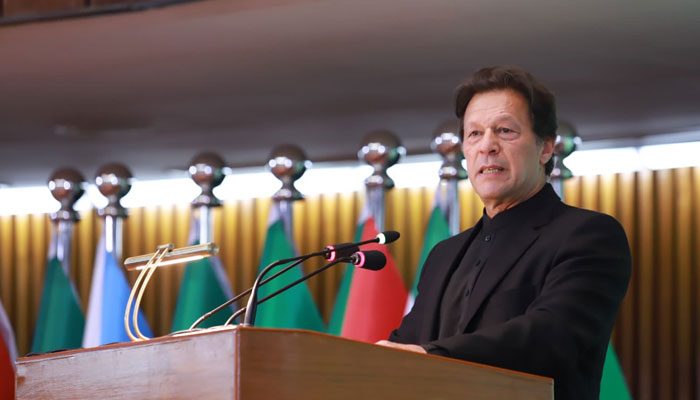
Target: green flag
x: 613, y: 385
x: 294, y: 308
x: 435, y: 232
x: 61, y: 321
x: 204, y: 287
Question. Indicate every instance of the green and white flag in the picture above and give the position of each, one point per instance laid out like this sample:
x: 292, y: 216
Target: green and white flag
x: 61, y: 321
x: 294, y: 308
x: 613, y: 385
x: 436, y: 231
x: 204, y: 287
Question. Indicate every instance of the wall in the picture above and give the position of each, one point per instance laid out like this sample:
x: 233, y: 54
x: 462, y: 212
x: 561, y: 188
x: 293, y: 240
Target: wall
x: 656, y: 335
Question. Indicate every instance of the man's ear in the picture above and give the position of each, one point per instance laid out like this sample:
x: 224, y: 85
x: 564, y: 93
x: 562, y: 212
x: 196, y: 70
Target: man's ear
x: 547, y: 150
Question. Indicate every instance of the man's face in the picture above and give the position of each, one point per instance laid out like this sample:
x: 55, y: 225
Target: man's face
x: 504, y: 160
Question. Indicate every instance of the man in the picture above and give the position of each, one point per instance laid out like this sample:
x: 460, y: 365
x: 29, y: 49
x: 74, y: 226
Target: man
x: 535, y: 285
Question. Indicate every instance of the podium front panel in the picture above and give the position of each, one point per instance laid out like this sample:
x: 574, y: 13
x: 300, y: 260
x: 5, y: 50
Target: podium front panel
x: 257, y: 363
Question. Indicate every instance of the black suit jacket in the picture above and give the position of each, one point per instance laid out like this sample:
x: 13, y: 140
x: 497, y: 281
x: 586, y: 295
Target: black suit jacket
x: 545, y: 303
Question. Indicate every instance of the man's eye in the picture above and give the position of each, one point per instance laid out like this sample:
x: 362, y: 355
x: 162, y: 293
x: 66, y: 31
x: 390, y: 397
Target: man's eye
x: 507, y: 133
x: 473, y: 133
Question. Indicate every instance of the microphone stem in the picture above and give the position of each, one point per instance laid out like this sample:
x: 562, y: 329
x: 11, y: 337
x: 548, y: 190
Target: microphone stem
x: 298, y: 281
x: 237, y: 297
x: 297, y: 260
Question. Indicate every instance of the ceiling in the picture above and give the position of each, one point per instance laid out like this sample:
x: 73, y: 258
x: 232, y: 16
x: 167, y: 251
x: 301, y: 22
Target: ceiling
x: 151, y: 89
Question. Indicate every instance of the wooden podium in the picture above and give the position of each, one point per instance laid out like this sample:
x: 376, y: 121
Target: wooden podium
x: 259, y: 363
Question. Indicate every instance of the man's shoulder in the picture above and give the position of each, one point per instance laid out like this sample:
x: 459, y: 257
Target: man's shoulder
x: 574, y: 226
x: 574, y: 216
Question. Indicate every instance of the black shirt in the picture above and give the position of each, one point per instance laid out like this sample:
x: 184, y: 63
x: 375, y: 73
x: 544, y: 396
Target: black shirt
x: 462, y: 281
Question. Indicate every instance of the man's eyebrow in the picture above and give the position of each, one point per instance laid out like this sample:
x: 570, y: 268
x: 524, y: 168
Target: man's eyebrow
x: 496, y: 120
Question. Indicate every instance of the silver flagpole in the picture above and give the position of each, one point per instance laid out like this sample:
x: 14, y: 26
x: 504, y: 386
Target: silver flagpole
x: 566, y: 143
x: 380, y: 149
x: 114, y: 182
x: 287, y: 163
x: 207, y: 171
x: 67, y: 185
x: 446, y: 142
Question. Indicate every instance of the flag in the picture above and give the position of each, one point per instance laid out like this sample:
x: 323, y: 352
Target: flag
x: 204, y: 287
x: 295, y: 308
x: 109, y: 294
x: 436, y: 231
x: 8, y: 354
x: 335, y: 327
x: 375, y: 300
x: 613, y: 385
x: 61, y: 321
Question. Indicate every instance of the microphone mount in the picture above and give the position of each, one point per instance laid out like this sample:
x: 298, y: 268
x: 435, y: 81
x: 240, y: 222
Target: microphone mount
x: 330, y: 253
x: 373, y: 260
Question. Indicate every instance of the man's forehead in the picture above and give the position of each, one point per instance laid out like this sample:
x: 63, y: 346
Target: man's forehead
x: 496, y: 105
x: 484, y: 118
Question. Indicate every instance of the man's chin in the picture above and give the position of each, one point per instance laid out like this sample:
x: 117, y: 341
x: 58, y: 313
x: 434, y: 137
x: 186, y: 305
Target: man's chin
x: 489, y: 191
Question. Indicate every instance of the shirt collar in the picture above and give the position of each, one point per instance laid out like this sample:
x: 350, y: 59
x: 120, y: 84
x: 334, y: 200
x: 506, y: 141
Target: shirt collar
x: 519, y: 213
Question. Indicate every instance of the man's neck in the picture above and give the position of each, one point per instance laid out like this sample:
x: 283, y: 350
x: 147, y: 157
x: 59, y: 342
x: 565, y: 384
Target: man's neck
x: 496, y: 208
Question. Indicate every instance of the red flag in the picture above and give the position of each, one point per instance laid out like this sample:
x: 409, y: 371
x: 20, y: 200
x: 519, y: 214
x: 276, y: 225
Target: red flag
x: 7, y: 374
x: 377, y: 298
x: 7, y: 357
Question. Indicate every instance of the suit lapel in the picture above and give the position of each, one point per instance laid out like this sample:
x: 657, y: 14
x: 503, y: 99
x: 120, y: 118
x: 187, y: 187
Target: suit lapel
x: 514, y: 241
x: 447, y: 264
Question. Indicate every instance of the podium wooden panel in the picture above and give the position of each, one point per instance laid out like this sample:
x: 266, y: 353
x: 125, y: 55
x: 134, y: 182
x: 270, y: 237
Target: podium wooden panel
x: 257, y: 363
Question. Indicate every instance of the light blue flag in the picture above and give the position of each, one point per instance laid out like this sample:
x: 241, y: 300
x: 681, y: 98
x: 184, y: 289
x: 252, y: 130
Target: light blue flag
x: 109, y: 294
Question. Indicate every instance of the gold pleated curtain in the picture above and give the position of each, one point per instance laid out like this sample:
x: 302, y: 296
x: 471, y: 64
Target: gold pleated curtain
x: 658, y: 328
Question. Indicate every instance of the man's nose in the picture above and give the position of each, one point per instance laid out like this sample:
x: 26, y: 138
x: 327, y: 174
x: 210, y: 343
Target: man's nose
x: 489, y: 143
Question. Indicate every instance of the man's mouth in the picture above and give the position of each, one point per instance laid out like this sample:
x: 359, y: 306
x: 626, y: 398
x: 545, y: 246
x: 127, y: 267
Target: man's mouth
x: 491, y: 170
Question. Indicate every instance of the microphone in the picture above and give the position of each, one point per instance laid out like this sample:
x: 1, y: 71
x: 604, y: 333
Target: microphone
x: 331, y: 253
x: 373, y: 260
x: 341, y: 249
x: 387, y: 237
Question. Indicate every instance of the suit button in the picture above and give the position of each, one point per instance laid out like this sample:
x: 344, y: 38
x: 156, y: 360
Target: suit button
x: 487, y: 238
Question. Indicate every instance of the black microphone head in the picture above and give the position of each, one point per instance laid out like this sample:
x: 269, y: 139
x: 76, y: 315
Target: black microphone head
x: 339, y: 250
x: 373, y: 260
x: 387, y: 237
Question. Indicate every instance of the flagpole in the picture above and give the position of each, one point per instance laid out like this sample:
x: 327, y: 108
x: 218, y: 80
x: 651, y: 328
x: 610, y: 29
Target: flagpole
x: 381, y: 150
x: 114, y: 182
x: 60, y: 322
x: 205, y: 283
x: 287, y: 163
x: 566, y: 143
x: 446, y: 142
x: 66, y: 186
x: 296, y: 308
x: 207, y: 171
